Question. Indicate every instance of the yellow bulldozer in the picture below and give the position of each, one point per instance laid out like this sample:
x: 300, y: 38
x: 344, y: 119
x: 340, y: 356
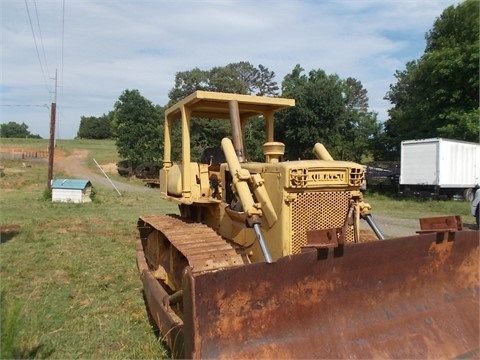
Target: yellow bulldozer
x: 268, y: 259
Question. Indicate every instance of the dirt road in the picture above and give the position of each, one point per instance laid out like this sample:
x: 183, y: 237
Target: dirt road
x: 75, y: 166
x: 393, y: 227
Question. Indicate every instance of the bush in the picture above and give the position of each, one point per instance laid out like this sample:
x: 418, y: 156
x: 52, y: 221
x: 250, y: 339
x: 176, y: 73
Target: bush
x: 93, y: 194
x: 47, y: 194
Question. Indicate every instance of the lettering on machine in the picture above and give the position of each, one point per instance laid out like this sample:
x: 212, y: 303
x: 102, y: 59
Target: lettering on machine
x: 327, y: 176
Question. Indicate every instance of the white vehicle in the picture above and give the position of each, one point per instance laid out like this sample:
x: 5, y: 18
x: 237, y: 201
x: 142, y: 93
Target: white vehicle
x: 475, y: 211
x: 440, y: 166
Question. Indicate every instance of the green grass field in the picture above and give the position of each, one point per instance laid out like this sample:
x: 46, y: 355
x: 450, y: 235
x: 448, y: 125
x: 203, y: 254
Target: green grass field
x: 69, y: 283
x: 415, y: 209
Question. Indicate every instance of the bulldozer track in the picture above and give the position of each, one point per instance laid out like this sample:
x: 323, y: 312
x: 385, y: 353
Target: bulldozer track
x: 203, y: 248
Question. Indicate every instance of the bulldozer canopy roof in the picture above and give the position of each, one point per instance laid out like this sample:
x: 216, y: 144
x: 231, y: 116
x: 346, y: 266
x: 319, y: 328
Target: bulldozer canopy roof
x: 206, y: 104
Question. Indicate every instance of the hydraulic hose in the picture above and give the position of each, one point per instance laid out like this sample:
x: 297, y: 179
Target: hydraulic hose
x: 261, y: 241
x: 369, y: 219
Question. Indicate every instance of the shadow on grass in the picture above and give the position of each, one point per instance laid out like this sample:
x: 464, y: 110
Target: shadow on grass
x: 37, y: 352
x: 8, y: 232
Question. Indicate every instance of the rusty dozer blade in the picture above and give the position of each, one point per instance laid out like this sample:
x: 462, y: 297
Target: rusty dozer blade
x: 413, y: 297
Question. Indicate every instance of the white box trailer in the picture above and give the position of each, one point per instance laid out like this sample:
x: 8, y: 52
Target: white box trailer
x: 444, y: 166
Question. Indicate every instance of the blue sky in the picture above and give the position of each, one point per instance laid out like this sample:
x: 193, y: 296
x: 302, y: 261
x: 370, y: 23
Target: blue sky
x: 102, y: 47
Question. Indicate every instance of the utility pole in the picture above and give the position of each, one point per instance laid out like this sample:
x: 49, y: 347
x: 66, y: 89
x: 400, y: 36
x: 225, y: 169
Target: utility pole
x: 51, y: 146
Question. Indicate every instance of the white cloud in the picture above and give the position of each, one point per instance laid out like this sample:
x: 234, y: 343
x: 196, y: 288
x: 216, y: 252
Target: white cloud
x: 110, y: 46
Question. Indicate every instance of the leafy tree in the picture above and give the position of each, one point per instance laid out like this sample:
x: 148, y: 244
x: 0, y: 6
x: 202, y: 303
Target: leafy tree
x: 356, y: 97
x: 437, y: 95
x: 328, y: 110
x: 254, y: 139
x: 247, y: 74
x: 137, y: 129
x: 92, y: 127
x: 239, y: 78
x: 318, y: 107
x: 15, y: 130
x: 206, y: 133
x: 360, y: 124
x: 187, y: 82
x: 264, y: 82
x: 227, y: 79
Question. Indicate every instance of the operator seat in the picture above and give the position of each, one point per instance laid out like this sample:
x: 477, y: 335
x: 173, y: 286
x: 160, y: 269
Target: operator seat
x: 213, y: 156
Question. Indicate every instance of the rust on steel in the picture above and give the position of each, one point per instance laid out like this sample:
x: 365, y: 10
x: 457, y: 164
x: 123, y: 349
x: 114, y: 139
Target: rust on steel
x: 412, y: 297
x: 441, y: 223
x: 325, y: 238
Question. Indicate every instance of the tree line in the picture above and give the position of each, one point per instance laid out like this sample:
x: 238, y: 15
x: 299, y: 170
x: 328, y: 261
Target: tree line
x: 15, y: 130
x: 328, y: 109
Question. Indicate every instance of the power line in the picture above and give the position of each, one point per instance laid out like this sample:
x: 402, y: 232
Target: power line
x: 41, y: 38
x: 54, y: 105
x: 36, y: 47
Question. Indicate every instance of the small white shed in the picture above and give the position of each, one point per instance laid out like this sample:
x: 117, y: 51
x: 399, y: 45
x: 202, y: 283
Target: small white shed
x: 71, y: 190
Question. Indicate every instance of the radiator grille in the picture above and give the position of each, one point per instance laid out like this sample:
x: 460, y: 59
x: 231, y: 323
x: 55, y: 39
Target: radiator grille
x: 357, y: 176
x: 318, y: 210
